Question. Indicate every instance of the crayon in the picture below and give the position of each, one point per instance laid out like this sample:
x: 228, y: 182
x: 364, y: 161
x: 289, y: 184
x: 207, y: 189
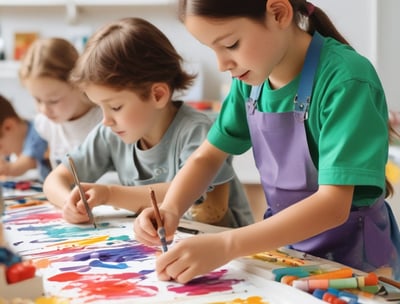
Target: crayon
x: 354, y: 282
x: 341, y: 273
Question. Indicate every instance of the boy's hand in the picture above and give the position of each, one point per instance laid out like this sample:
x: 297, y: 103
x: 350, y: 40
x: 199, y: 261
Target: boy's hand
x: 74, y: 210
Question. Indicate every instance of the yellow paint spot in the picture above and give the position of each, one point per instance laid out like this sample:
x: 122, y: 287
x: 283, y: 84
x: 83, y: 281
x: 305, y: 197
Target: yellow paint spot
x: 51, y: 300
x: 249, y: 300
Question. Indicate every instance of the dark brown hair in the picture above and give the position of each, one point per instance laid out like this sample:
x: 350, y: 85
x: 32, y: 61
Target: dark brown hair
x: 6, y: 111
x: 317, y: 20
x: 132, y: 54
x: 255, y: 9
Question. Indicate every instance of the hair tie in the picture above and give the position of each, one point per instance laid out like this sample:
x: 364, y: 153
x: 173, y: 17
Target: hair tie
x: 310, y: 8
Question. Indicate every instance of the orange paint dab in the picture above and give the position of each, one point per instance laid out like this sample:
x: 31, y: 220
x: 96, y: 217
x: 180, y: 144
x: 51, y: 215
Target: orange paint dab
x: 249, y: 300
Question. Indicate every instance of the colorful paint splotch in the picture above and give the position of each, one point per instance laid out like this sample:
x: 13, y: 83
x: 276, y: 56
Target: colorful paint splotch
x: 88, y: 265
x: 80, y: 264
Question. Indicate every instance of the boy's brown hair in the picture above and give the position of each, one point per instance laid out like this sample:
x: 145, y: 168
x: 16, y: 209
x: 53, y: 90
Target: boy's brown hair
x: 6, y: 111
x: 130, y: 54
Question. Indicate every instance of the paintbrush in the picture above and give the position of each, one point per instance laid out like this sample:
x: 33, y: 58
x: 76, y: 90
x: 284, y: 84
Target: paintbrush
x: 81, y: 192
x: 160, y: 225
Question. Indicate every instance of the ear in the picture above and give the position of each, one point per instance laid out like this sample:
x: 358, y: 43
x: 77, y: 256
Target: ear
x: 281, y: 11
x: 8, y: 124
x: 160, y: 94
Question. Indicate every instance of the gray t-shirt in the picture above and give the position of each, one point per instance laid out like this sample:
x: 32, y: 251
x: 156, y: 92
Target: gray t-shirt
x: 103, y: 151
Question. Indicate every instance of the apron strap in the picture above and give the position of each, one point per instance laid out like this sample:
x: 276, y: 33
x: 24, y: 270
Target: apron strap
x: 252, y: 101
x: 303, y: 96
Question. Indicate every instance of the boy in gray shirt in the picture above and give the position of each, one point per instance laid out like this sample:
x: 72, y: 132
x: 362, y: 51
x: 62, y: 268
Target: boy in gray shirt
x: 131, y: 70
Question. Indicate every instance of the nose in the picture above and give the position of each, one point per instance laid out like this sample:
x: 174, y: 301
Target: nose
x: 224, y: 63
x: 107, y: 120
x: 45, y: 109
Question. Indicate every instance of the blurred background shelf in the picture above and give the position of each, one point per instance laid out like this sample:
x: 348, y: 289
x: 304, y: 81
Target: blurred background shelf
x: 9, y: 69
x: 15, y: 3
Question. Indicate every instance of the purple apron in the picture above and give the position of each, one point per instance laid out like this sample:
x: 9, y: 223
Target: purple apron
x: 288, y: 175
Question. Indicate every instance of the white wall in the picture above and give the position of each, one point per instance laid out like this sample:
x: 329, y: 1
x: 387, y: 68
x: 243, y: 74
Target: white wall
x: 51, y: 21
x: 370, y: 26
x: 388, y: 50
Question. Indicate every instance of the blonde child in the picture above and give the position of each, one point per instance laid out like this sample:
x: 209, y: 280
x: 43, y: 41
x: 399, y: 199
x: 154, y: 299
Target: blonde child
x: 65, y: 114
x: 19, y: 137
x: 315, y: 114
x: 131, y: 70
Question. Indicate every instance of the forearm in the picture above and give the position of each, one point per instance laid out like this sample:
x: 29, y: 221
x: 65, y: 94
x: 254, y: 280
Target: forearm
x: 57, y: 187
x: 19, y: 166
x: 135, y: 198
x: 307, y: 218
x: 193, y: 179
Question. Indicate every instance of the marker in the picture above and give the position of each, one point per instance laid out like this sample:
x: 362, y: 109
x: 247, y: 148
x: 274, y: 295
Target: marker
x: 160, y: 226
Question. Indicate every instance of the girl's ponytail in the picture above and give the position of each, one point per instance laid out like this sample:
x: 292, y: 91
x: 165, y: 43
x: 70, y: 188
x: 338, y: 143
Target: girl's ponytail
x: 317, y: 20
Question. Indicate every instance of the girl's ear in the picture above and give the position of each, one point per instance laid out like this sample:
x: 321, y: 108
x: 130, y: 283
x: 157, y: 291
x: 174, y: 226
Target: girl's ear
x: 160, y: 93
x: 281, y: 11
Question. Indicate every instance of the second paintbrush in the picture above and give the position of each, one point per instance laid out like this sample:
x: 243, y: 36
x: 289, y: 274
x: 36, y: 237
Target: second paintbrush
x: 160, y: 225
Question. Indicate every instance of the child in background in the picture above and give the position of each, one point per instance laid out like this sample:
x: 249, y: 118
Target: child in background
x: 19, y: 137
x: 317, y: 119
x: 131, y: 70
x: 66, y: 115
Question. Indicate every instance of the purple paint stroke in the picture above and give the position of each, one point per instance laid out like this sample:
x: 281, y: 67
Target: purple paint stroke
x: 212, y: 282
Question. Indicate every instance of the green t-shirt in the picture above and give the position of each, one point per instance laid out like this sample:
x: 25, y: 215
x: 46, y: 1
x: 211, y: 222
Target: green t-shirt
x: 347, y: 126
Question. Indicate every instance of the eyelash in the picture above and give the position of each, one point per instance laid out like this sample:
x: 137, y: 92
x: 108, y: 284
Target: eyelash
x: 116, y: 108
x: 233, y: 46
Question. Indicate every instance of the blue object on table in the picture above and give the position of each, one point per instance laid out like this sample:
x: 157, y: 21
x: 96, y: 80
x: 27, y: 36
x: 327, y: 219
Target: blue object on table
x: 8, y: 258
x: 301, y: 271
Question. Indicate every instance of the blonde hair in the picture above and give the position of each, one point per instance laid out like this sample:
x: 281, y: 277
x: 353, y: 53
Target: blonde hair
x: 50, y: 57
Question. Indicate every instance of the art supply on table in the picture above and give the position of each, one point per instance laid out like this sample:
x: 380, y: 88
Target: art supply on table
x: 187, y: 230
x: 300, y: 272
x: 160, y: 225
x: 275, y: 256
x: 341, y: 273
x: 81, y: 192
x: 23, y: 185
x: 389, y: 281
x: 354, y: 282
x: 17, y: 277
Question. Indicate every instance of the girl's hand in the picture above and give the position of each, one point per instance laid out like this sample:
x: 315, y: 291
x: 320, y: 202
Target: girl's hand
x: 193, y: 256
x: 74, y: 210
x: 145, y: 229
